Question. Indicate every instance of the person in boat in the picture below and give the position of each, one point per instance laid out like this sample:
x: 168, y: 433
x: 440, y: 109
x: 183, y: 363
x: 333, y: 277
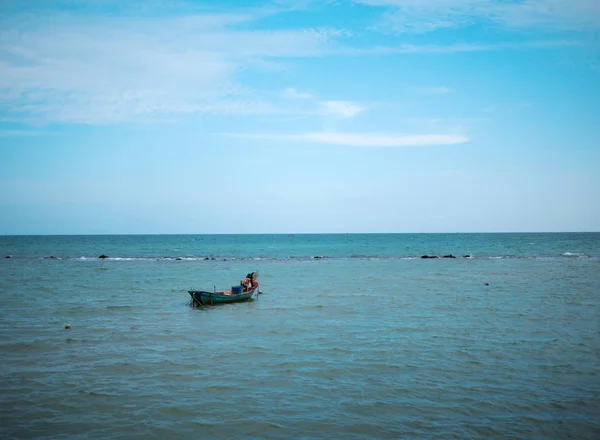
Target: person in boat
x: 250, y: 282
x: 247, y: 282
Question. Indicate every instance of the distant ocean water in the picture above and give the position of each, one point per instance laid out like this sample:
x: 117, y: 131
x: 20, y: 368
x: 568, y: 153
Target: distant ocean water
x: 355, y: 337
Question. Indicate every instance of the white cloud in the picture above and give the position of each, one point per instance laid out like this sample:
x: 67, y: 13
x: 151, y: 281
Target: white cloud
x: 343, y: 109
x: 291, y: 93
x: 360, y: 139
x: 428, y: 15
x: 92, y: 69
x: 560, y: 14
x: 454, y: 48
x: 62, y: 68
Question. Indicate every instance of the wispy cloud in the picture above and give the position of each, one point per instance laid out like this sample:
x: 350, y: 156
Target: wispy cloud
x: 430, y: 15
x: 558, y: 14
x: 359, y: 139
x: 455, y: 48
x: 87, y: 67
x: 343, y: 109
x: 291, y: 93
x: 110, y: 70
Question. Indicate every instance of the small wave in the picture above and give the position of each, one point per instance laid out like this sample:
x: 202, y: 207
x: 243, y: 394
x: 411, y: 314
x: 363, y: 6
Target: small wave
x: 184, y: 258
x: 195, y: 258
x: 97, y: 394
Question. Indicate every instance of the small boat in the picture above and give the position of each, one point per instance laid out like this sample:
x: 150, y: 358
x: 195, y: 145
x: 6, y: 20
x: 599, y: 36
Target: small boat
x: 203, y: 297
x: 244, y: 292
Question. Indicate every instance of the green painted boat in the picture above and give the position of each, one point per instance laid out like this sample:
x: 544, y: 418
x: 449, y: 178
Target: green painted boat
x: 244, y: 292
x: 203, y: 297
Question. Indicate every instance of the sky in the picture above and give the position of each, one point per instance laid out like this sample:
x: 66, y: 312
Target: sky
x: 300, y: 116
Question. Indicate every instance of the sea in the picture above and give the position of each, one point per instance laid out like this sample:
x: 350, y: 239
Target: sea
x: 355, y: 336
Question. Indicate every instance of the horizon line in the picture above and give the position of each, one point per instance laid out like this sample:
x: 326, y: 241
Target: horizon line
x: 297, y: 233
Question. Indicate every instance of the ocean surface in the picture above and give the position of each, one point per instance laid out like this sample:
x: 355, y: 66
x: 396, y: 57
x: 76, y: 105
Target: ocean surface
x: 354, y: 337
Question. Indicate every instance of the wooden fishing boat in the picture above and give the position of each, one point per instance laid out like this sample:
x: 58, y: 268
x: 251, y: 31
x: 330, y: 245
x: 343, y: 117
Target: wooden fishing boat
x: 243, y: 292
x: 203, y: 297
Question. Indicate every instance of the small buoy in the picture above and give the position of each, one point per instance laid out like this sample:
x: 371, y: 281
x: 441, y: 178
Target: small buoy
x: 68, y: 326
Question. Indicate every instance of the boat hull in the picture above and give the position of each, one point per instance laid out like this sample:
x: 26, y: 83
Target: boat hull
x: 203, y: 297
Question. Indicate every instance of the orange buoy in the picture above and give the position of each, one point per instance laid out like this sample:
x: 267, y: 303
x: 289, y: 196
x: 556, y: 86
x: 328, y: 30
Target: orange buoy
x: 68, y: 326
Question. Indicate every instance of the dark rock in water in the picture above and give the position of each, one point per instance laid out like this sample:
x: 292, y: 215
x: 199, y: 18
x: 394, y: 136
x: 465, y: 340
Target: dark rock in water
x: 487, y: 284
x: 449, y: 256
x: 206, y: 258
x: 429, y: 256
x: 317, y: 257
x: 8, y: 256
x: 103, y: 256
x: 178, y: 258
x: 52, y: 257
x: 212, y: 258
x: 466, y: 256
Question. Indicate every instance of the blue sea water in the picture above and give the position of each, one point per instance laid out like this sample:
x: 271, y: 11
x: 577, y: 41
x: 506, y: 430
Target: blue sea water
x: 368, y: 342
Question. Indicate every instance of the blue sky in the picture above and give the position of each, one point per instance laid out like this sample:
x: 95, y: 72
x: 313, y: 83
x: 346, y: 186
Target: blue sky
x: 299, y: 116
